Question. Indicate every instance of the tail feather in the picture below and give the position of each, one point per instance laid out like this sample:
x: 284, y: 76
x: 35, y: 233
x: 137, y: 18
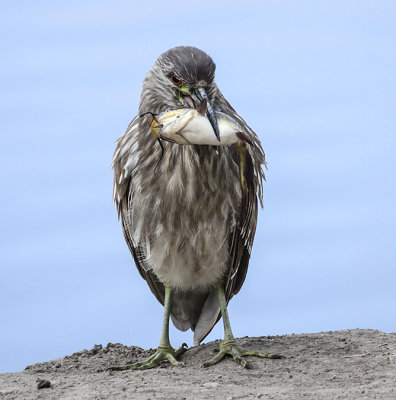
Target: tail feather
x: 196, y: 310
x: 209, y: 316
x: 186, y: 308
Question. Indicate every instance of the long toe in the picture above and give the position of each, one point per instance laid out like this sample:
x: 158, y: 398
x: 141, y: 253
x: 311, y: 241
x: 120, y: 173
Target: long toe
x: 168, y: 354
x: 238, y: 354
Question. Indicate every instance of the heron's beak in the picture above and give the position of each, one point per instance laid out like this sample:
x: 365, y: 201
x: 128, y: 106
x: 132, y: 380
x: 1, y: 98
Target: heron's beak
x: 198, y: 95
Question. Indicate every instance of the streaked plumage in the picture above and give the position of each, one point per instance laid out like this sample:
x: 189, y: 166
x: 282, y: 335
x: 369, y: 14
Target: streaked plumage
x: 185, y: 219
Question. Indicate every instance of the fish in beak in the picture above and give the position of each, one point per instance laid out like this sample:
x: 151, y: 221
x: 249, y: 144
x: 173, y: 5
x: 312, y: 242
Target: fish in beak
x: 199, y: 95
x: 193, y: 126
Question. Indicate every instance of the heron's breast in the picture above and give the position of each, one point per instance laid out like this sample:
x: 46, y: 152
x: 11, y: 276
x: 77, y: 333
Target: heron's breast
x: 185, y: 223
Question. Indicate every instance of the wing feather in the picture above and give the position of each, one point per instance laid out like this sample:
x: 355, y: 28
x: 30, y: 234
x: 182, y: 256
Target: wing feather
x: 242, y: 236
x: 124, y: 163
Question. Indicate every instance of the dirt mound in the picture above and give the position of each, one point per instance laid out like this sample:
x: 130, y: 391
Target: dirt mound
x: 352, y: 364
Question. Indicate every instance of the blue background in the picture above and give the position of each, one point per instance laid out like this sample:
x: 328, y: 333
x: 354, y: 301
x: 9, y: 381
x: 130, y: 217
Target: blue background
x: 316, y: 80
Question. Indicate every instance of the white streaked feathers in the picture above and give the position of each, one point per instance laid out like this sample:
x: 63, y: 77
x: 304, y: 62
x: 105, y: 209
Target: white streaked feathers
x: 188, y: 247
x: 184, y: 218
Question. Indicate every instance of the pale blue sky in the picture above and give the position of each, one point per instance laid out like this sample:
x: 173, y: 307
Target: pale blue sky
x: 316, y: 80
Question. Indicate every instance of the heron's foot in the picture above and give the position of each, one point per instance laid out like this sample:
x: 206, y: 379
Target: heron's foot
x: 229, y: 347
x: 167, y: 353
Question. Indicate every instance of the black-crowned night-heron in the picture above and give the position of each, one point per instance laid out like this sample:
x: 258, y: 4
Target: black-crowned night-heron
x: 188, y: 212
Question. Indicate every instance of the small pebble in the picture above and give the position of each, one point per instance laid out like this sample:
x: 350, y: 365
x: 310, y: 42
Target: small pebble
x: 43, y: 384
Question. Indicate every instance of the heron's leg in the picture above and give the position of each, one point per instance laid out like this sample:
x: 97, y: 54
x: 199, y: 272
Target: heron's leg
x: 228, y: 346
x: 164, y: 351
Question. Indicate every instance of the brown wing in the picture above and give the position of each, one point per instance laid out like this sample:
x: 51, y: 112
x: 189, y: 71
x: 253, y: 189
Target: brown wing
x: 123, y: 167
x: 241, y: 240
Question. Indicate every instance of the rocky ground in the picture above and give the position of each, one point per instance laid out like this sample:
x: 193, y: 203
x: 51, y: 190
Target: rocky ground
x: 352, y: 364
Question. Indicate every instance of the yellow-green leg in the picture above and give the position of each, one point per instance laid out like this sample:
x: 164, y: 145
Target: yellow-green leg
x: 164, y: 351
x: 228, y: 346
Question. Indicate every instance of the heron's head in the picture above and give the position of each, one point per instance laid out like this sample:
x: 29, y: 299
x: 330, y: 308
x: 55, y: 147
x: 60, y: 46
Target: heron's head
x: 181, y: 77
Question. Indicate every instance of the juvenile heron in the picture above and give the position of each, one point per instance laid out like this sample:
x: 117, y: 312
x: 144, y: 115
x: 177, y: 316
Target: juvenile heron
x: 188, y: 212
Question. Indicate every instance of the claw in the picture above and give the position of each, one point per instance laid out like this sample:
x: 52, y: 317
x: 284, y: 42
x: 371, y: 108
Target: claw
x: 238, y: 353
x: 162, y: 354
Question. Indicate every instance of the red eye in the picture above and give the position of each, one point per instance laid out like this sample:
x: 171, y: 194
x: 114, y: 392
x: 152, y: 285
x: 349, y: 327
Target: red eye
x: 175, y: 81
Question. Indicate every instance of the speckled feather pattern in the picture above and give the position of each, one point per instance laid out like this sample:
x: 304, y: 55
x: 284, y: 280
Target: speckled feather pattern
x: 184, y: 211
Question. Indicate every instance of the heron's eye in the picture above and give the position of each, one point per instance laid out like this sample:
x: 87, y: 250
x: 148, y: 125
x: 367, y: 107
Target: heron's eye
x: 175, y: 81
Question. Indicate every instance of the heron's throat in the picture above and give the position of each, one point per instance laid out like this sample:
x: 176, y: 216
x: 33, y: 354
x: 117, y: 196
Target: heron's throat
x: 186, y: 100
x: 187, y: 97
